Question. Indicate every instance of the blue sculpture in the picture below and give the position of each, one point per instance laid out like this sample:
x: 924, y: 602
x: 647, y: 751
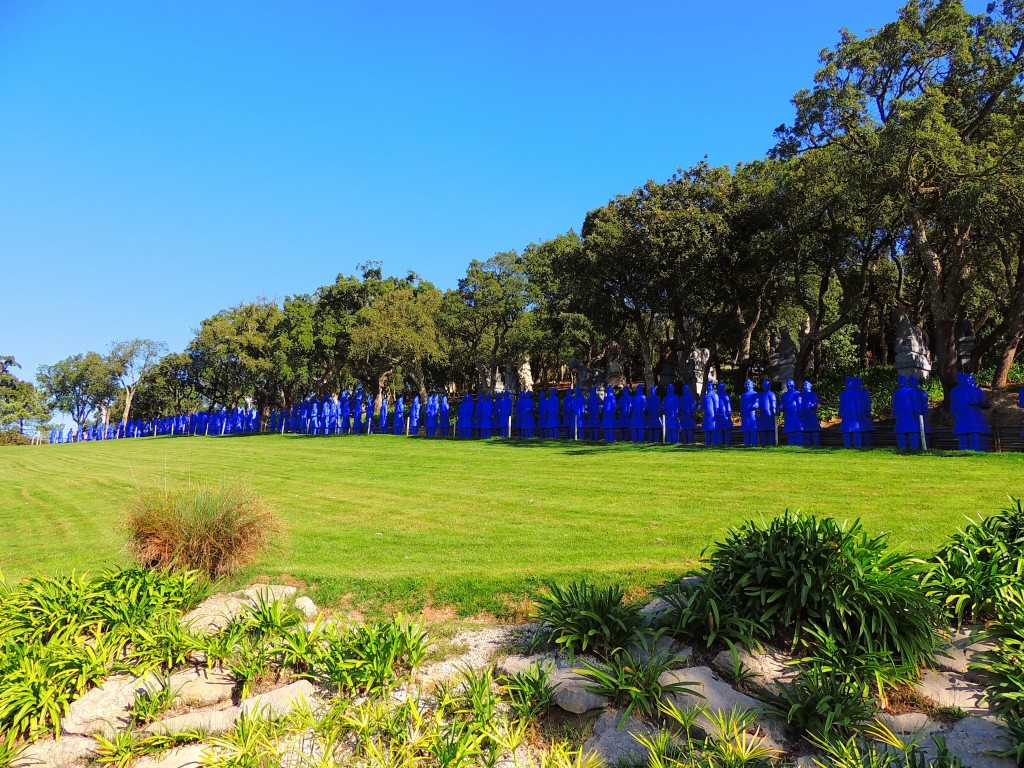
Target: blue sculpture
x: 625, y: 403
x: 431, y: 415
x: 864, y: 401
x: 922, y: 403
x: 638, y: 415
x: 608, y: 421
x: 670, y: 404
x: 444, y: 416
x: 850, y: 410
x: 711, y: 404
x: 723, y: 416
x: 966, y: 402
x: 767, y: 416
x: 414, y: 417
x: 398, y: 418
x: 687, y: 415
x: 809, y: 416
x: 382, y: 416
x: 486, y: 416
x: 750, y: 403
x: 906, y: 410
x: 465, y: 418
x: 792, y: 425
x: 593, y: 415
x: 655, y: 430
x: 525, y: 415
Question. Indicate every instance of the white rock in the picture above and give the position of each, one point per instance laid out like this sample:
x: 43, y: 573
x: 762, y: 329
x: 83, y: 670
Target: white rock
x: 971, y: 739
x: 571, y: 692
x: 948, y: 689
x: 615, y: 745
x: 217, y: 611
x: 201, y: 687
x: 910, y: 722
x: 65, y: 752
x: 212, y: 722
x: 306, y: 607
x: 279, y: 702
x: 665, y: 644
x: 190, y: 756
x: 105, y: 709
x: 768, y: 669
x: 513, y: 664
x: 269, y: 593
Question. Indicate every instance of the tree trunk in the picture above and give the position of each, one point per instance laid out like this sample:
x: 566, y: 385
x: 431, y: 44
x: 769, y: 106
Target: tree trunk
x: 999, y: 379
x: 129, y: 395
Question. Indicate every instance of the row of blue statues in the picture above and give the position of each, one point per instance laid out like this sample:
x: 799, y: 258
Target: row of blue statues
x: 638, y: 416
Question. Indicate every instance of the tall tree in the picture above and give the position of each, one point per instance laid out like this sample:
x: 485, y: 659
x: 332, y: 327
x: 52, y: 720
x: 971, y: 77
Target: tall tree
x: 129, y: 362
x: 80, y: 386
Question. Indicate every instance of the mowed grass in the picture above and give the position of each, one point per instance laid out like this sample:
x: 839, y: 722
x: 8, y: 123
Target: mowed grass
x: 391, y: 523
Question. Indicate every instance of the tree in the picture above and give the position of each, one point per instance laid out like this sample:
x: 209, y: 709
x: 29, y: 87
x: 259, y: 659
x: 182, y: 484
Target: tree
x: 79, y: 385
x: 130, y: 361
x: 21, y: 403
x: 931, y: 105
x: 167, y: 390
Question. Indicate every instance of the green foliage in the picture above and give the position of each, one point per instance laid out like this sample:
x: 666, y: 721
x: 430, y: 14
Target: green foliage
x: 879, y: 747
x: 13, y: 437
x: 529, y: 693
x: 213, y: 529
x: 821, y: 701
x: 699, y: 611
x: 800, y: 572
x: 968, y: 574
x: 153, y: 703
x: 631, y: 678
x: 583, y: 618
x: 1003, y: 665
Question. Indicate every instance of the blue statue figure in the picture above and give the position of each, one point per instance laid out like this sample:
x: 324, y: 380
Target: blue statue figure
x: 414, y: 417
x: 593, y: 415
x: 496, y: 405
x: 565, y: 424
x: 750, y: 403
x: 638, y: 415
x: 398, y: 418
x: 433, y: 415
x: 346, y: 413
x: 444, y: 416
x: 671, y: 407
x: 465, y: 422
x: 966, y: 402
x: 723, y: 416
x: 357, y: 414
x: 767, y: 415
x: 625, y: 403
x: 905, y: 409
x: 864, y: 399
x: 608, y: 420
x: 809, y: 416
x: 687, y: 415
x: 486, y: 416
x: 792, y: 426
x: 579, y: 415
x: 711, y: 404
x: 655, y: 432
x: 525, y: 414
x: 850, y: 409
x: 551, y: 407
x: 922, y: 403
x: 478, y: 415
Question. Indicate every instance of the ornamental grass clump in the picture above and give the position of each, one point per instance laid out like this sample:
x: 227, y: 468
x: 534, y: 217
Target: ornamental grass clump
x: 213, y: 529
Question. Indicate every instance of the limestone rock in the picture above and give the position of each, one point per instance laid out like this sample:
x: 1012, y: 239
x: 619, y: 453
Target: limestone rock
x: 910, y: 722
x: 212, y: 722
x: 615, y: 745
x: 665, y: 644
x: 268, y: 592
x: 949, y: 689
x: 768, y: 669
x: 513, y: 664
x: 65, y: 752
x: 571, y: 692
x: 971, y: 739
x: 217, y: 611
x: 190, y: 756
x: 952, y: 659
x: 306, y: 607
x: 104, y: 709
x: 279, y: 702
x: 201, y: 687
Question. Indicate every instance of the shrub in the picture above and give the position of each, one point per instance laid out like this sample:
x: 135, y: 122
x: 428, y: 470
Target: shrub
x: 968, y: 573
x: 529, y: 693
x: 215, y: 530
x: 821, y: 702
x: 13, y: 437
x: 632, y: 678
x: 802, y: 571
x: 583, y: 618
x: 1003, y: 665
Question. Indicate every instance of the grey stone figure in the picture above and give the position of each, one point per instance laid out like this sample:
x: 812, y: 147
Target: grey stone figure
x: 669, y: 372
x: 784, y: 357
x: 965, y: 341
x: 615, y: 375
x: 525, y: 375
x: 697, y: 369
x: 912, y: 358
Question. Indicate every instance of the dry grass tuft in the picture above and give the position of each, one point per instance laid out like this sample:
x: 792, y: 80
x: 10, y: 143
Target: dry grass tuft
x: 214, y: 529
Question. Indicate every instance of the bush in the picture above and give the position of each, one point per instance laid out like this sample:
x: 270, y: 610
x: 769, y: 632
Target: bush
x: 802, y: 571
x: 821, y: 702
x: 968, y: 574
x: 13, y: 437
x: 584, y: 618
x: 215, y: 530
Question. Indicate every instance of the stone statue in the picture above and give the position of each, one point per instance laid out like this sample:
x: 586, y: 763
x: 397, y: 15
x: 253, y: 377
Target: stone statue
x: 615, y: 375
x: 697, y: 369
x: 668, y: 372
x: 783, y: 356
x: 965, y: 341
x: 525, y: 375
x: 912, y: 357
x: 906, y: 409
x: 750, y: 403
x: 970, y: 426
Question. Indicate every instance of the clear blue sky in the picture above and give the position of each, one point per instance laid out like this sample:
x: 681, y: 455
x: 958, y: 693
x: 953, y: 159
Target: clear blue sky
x: 160, y: 161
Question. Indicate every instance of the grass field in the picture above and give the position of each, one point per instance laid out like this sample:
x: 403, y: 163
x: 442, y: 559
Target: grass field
x: 399, y: 523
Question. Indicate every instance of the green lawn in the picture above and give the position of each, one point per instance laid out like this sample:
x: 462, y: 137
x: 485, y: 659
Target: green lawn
x: 397, y: 522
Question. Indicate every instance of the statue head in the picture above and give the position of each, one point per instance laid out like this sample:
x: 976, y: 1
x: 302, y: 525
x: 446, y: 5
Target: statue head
x: 608, y: 391
x: 671, y: 389
x: 790, y: 385
x: 721, y: 388
x: 807, y: 386
x: 849, y: 382
x: 912, y: 381
x: 652, y: 391
x: 901, y: 381
x: 766, y: 386
x: 750, y: 386
x: 593, y: 391
x: 686, y: 389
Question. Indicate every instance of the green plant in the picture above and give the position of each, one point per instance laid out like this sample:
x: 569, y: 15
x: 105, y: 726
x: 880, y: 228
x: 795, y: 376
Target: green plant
x: 1003, y: 664
x: 879, y: 747
x: 736, y: 742
x: 562, y: 755
x: 249, y: 663
x: 582, y: 618
x: 268, y: 617
x: 1014, y: 729
x: 700, y: 613
x: 632, y: 678
x: 213, y: 529
x: 166, y: 643
x: 529, y: 693
x: 967, y: 575
x: 153, y: 702
x: 820, y: 702
x: 252, y: 744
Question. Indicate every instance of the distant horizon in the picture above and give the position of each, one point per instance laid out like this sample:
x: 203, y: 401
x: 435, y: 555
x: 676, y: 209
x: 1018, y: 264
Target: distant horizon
x: 162, y: 163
